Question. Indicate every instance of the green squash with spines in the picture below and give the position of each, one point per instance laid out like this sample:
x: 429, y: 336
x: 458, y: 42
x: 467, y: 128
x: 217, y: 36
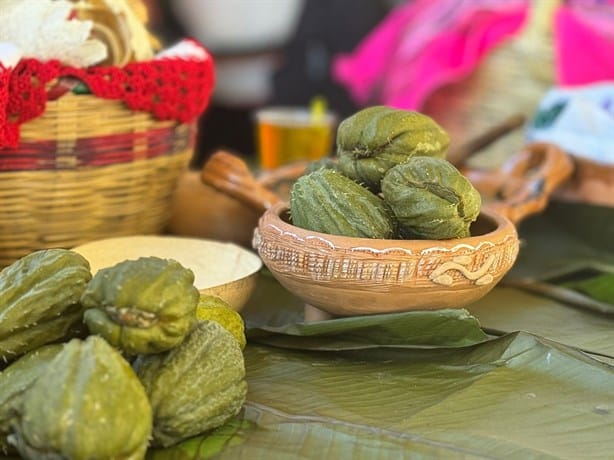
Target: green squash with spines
x: 145, y: 305
x: 39, y: 300
x: 87, y: 404
x: 326, y: 201
x: 195, y: 387
x: 15, y: 380
x: 376, y: 138
x: 322, y: 163
x: 431, y: 199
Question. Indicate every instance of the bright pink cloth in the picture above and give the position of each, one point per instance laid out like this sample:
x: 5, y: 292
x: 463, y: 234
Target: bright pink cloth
x: 423, y: 45
x: 584, y: 37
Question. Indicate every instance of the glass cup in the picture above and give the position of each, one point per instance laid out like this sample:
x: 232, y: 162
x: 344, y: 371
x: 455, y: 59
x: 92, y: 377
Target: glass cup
x: 288, y: 134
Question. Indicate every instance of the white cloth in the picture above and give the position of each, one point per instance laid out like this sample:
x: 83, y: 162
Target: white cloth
x: 579, y: 120
x: 10, y: 55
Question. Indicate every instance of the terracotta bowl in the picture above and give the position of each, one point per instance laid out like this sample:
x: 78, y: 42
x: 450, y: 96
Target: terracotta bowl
x: 344, y: 276
x: 200, y: 211
x: 355, y: 276
x: 227, y: 202
x: 222, y: 269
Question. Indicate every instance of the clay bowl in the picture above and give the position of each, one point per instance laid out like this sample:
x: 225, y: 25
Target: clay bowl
x: 199, y: 209
x: 355, y: 276
x: 225, y: 270
x: 341, y: 276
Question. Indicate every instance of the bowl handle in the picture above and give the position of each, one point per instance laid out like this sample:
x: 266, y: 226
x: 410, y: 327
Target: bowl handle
x: 229, y: 174
x: 520, y: 188
x: 525, y: 182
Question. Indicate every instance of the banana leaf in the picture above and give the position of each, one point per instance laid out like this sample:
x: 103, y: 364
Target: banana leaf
x: 516, y: 396
x: 599, y: 286
x: 539, y: 385
x: 420, y: 329
x: 593, y: 224
x: 506, y: 310
x: 567, y: 254
x: 503, y: 310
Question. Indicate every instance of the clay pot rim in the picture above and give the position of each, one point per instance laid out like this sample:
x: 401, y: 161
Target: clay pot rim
x: 503, y: 228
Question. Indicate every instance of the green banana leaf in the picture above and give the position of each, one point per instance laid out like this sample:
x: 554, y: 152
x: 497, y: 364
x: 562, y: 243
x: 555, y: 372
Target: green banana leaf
x: 419, y: 329
x: 339, y: 389
x: 593, y: 224
x: 502, y: 311
x: 567, y: 254
x: 506, y: 310
x: 600, y: 286
x: 517, y: 396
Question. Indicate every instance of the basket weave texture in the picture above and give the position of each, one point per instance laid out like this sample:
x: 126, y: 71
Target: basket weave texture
x: 89, y: 168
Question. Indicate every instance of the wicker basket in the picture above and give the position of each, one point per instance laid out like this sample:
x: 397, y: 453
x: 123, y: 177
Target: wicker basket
x: 88, y: 168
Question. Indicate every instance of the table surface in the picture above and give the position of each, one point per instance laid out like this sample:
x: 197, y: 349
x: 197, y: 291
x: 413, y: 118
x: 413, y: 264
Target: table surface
x: 518, y: 374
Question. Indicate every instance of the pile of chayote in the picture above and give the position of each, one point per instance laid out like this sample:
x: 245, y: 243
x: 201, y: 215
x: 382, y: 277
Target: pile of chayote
x: 397, y: 159
x: 106, y: 366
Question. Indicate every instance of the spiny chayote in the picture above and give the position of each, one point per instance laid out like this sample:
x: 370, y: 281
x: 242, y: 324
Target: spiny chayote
x: 146, y: 305
x: 326, y: 201
x: 87, y: 404
x: 14, y: 381
x: 377, y: 138
x: 39, y: 300
x: 431, y: 199
x: 196, y: 386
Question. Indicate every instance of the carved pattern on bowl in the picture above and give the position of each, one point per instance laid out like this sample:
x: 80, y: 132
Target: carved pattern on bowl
x: 317, y: 258
x: 354, y: 276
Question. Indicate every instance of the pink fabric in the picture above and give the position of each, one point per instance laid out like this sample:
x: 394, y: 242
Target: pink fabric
x: 423, y: 45
x: 584, y: 38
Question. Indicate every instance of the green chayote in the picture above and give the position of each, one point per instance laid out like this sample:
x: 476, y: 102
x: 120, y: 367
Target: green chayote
x: 431, y: 199
x: 326, y: 201
x: 377, y: 138
x: 15, y: 380
x: 86, y: 404
x: 196, y: 386
x: 39, y: 300
x: 147, y: 305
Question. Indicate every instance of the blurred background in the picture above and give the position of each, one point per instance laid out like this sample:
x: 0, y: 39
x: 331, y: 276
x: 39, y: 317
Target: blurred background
x: 266, y: 52
x: 495, y: 74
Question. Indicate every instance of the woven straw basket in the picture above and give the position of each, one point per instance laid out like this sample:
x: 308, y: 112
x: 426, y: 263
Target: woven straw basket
x: 88, y: 168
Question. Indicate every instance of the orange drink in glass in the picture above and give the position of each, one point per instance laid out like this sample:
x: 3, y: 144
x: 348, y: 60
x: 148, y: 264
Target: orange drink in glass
x: 288, y: 134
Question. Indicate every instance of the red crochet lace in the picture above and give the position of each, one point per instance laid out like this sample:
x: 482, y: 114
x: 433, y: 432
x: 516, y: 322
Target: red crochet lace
x: 169, y: 88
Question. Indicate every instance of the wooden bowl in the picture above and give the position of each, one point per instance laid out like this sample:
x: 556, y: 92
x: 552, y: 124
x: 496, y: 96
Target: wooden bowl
x: 225, y: 270
x: 200, y: 211
x: 355, y: 276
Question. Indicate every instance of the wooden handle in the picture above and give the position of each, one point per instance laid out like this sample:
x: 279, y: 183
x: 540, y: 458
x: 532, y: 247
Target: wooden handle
x: 459, y: 156
x: 524, y: 184
x: 229, y: 174
x: 286, y: 173
x: 520, y: 188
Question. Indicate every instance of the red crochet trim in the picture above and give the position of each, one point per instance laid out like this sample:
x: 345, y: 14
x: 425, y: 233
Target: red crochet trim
x: 169, y: 88
x: 8, y: 135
